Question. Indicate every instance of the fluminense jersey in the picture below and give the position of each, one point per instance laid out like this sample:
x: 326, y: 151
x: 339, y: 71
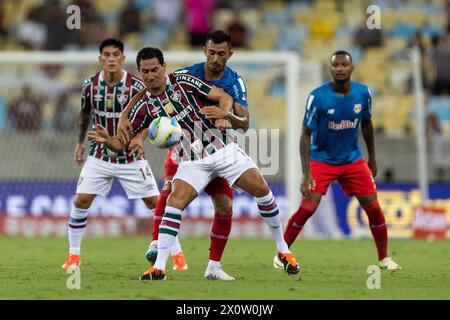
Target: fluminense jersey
x: 230, y: 82
x: 107, y: 103
x: 334, y: 120
x: 183, y: 98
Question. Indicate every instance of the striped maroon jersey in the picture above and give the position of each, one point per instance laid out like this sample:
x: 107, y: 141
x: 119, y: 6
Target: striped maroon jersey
x: 182, y: 99
x: 107, y: 103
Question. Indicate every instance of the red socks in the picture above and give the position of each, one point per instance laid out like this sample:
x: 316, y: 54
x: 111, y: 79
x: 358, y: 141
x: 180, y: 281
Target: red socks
x: 219, y: 235
x: 298, y: 220
x: 374, y: 213
x: 159, y: 213
x: 378, y: 227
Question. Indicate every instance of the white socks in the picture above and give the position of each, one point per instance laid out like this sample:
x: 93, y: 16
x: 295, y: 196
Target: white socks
x: 77, y: 225
x: 268, y: 208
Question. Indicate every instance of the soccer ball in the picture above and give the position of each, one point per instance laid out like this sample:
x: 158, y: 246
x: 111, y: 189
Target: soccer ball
x: 164, y: 132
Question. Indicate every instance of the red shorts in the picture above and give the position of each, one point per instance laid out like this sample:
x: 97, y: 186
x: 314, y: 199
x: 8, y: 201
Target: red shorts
x: 355, y: 178
x: 216, y: 186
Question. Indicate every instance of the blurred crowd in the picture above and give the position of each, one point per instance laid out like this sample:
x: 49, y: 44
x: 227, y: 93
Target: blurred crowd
x: 311, y: 28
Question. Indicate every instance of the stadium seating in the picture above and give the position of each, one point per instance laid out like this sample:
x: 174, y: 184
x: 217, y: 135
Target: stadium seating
x: 311, y: 28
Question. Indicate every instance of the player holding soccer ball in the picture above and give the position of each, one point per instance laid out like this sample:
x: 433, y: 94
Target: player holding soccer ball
x: 334, y: 112
x: 215, y: 71
x: 105, y: 94
x: 205, y: 149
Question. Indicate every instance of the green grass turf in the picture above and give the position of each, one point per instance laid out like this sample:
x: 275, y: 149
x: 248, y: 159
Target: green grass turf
x: 31, y: 269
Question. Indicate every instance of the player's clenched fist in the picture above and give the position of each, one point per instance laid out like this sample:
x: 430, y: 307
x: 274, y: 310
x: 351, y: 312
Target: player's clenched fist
x: 307, y: 185
x: 78, y: 154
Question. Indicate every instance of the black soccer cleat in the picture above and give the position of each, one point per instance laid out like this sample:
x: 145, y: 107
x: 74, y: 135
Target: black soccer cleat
x: 153, y: 274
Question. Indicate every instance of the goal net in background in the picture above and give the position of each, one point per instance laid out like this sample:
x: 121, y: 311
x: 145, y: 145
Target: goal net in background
x: 38, y: 177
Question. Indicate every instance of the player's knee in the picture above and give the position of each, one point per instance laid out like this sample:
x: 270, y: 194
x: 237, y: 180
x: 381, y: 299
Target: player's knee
x: 223, y: 205
x: 366, y: 199
x: 83, y: 201
x: 151, y: 202
x: 177, y: 200
x: 261, y: 191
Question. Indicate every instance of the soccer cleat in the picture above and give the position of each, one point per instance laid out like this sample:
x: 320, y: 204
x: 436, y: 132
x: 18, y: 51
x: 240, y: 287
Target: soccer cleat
x: 179, y: 262
x: 153, y: 274
x: 277, y: 264
x: 290, y: 264
x: 217, y: 273
x: 152, y: 252
x: 72, y: 261
x: 388, y: 264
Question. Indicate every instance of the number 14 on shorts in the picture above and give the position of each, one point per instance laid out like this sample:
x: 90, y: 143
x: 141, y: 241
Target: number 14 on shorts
x: 145, y: 172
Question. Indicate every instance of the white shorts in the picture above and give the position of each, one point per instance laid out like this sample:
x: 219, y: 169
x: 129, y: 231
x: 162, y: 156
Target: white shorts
x: 229, y: 163
x: 136, y: 178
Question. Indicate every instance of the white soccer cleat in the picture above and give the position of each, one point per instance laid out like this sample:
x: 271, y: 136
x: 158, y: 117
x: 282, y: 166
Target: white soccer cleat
x: 388, y: 264
x: 216, y: 273
x: 277, y: 264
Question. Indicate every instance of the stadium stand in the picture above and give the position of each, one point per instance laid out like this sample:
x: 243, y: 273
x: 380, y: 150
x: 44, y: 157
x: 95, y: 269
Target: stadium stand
x: 311, y: 28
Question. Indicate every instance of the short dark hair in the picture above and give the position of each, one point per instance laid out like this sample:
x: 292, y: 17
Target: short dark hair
x: 111, y: 42
x: 219, y: 36
x: 342, y: 52
x: 149, y: 53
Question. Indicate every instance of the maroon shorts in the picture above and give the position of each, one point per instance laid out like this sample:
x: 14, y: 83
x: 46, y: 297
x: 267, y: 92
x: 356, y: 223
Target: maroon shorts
x: 355, y: 178
x: 216, y: 186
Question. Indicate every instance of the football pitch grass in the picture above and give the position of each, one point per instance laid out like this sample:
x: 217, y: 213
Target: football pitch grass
x: 31, y: 269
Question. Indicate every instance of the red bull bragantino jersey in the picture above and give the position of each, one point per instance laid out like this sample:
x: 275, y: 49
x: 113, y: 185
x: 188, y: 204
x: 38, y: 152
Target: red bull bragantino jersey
x: 334, y: 120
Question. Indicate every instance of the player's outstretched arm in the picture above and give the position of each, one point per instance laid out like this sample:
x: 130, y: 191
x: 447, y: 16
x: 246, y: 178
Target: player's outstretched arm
x: 124, y: 127
x: 367, y: 130
x: 305, y: 146
x: 101, y: 135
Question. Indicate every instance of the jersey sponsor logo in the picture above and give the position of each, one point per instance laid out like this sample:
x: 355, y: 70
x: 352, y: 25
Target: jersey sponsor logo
x: 357, y: 108
x: 183, y: 113
x: 191, y: 80
x: 330, y: 111
x: 107, y: 114
x: 344, y: 124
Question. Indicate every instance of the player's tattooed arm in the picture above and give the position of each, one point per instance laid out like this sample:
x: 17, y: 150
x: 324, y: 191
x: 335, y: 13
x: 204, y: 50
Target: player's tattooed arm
x: 367, y: 130
x: 239, y: 118
x: 100, y: 134
x: 83, y: 122
x: 84, y: 118
x: 305, y: 146
x: 124, y: 127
